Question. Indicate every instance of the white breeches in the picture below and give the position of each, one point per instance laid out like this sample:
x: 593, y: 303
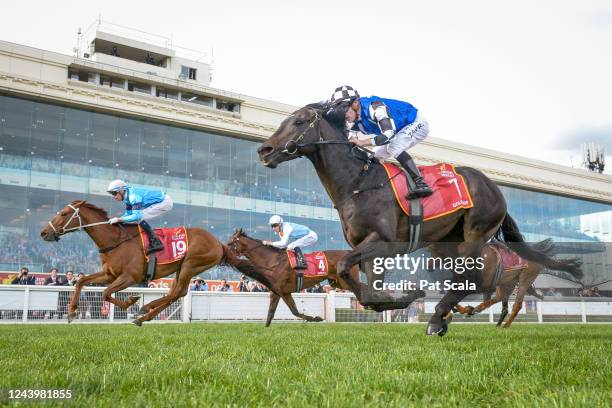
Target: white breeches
x: 157, y: 209
x: 404, y: 139
x: 305, y: 241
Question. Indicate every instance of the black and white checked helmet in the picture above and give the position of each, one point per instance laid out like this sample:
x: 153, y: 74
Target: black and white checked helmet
x: 342, y: 94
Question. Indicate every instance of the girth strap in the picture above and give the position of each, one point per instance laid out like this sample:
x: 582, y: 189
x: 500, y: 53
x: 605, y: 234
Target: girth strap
x: 300, y: 280
x: 415, y: 219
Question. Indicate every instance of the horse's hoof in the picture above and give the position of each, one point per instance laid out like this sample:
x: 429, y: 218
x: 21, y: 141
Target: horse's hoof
x: 133, y: 299
x: 318, y: 319
x: 137, y: 322
x: 71, y: 317
x: 435, y: 328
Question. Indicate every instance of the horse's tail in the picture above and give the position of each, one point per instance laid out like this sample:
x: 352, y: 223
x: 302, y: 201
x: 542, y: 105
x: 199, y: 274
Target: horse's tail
x: 245, y: 266
x: 540, y: 252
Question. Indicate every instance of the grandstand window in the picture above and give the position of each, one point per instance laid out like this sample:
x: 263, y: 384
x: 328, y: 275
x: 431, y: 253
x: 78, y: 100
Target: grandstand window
x: 139, y: 87
x: 228, y: 106
x: 112, y: 82
x: 188, y: 73
x: 166, y: 93
x: 197, y: 99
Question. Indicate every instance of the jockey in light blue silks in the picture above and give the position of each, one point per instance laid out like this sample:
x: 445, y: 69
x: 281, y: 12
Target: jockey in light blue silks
x: 374, y: 121
x: 300, y: 235
x: 141, y: 204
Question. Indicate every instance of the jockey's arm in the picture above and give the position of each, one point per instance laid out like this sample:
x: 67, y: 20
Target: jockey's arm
x: 284, y: 241
x: 379, y: 112
x: 132, y: 216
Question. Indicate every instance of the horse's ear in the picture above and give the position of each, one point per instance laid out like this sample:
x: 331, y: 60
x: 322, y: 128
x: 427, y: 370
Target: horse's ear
x: 240, y: 232
x: 78, y: 203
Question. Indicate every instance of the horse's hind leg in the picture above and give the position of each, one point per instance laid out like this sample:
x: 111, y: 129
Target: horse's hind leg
x: 291, y: 304
x: 274, y: 298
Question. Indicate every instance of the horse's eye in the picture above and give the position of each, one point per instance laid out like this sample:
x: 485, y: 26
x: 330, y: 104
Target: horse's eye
x: 298, y: 122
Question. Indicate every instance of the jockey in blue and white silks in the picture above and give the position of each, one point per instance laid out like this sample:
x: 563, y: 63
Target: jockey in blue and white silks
x: 299, y: 235
x: 141, y: 204
x: 374, y: 121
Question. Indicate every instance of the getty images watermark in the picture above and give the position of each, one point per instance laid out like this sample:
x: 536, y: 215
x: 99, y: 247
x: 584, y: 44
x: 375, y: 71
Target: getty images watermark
x: 405, y: 263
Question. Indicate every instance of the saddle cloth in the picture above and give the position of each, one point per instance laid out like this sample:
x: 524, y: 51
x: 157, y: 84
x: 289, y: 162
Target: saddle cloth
x: 510, y: 259
x: 175, y: 243
x: 450, y: 192
x: 316, y: 261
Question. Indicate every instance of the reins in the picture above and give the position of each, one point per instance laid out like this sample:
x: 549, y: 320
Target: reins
x: 368, y: 160
x: 77, y: 214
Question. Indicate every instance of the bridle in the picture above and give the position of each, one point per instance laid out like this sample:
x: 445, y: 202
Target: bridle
x: 295, y: 142
x: 293, y: 146
x: 234, y: 247
x: 76, y: 214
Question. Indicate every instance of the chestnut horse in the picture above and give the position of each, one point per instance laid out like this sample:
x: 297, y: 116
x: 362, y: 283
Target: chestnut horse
x: 123, y: 260
x: 274, y: 271
x: 510, y: 278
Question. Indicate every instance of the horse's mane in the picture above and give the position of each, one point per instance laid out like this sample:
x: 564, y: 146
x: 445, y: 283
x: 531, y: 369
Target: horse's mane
x: 241, y: 233
x: 84, y: 204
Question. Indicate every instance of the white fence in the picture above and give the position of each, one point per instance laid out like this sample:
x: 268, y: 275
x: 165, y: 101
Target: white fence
x: 48, y: 304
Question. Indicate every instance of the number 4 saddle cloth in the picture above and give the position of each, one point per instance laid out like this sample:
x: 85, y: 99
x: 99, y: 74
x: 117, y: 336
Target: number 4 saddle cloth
x: 450, y: 193
x: 316, y: 261
x: 175, y: 242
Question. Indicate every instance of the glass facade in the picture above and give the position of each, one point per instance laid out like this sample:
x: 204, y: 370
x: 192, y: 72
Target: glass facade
x: 51, y: 155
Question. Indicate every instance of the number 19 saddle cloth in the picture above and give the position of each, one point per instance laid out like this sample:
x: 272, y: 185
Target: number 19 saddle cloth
x: 175, y: 242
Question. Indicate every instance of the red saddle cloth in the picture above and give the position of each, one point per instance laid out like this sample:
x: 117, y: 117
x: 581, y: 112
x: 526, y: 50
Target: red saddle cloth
x: 510, y: 259
x: 316, y: 261
x: 450, y: 193
x: 175, y: 243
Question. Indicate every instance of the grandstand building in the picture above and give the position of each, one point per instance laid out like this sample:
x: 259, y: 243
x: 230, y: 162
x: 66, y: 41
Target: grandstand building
x: 136, y: 110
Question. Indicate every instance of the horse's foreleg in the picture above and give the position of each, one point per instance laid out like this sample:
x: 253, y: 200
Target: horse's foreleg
x: 438, y: 323
x: 372, y: 295
x: 504, y: 313
x: 98, y: 277
x: 274, y: 298
x: 122, y: 282
x: 291, y: 305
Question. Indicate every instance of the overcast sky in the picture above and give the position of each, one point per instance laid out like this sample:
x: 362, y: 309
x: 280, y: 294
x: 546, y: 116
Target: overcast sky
x: 524, y: 77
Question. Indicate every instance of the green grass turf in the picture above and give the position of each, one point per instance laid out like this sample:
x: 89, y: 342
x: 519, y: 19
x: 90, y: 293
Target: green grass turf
x: 312, y: 364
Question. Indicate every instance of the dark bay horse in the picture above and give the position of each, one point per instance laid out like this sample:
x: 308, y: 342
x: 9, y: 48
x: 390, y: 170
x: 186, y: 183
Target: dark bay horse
x: 510, y: 279
x: 274, y: 271
x: 370, y: 215
x: 123, y: 260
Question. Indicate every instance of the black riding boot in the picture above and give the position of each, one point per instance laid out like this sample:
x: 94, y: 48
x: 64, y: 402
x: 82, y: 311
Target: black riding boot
x: 300, y: 260
x: 154, y: 243
x: 422, y: 189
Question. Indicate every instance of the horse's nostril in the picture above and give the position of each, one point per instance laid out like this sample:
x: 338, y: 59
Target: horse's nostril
x: 264, y: 149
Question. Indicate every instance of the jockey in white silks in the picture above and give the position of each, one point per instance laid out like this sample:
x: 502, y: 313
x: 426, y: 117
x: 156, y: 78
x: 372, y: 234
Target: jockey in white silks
x: 141, y: 204
x: 299, y: 235
x: 373, y: 121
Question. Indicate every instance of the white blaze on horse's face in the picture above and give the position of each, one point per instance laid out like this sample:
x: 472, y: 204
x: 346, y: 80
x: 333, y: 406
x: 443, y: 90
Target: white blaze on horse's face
x: 67, y: 218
